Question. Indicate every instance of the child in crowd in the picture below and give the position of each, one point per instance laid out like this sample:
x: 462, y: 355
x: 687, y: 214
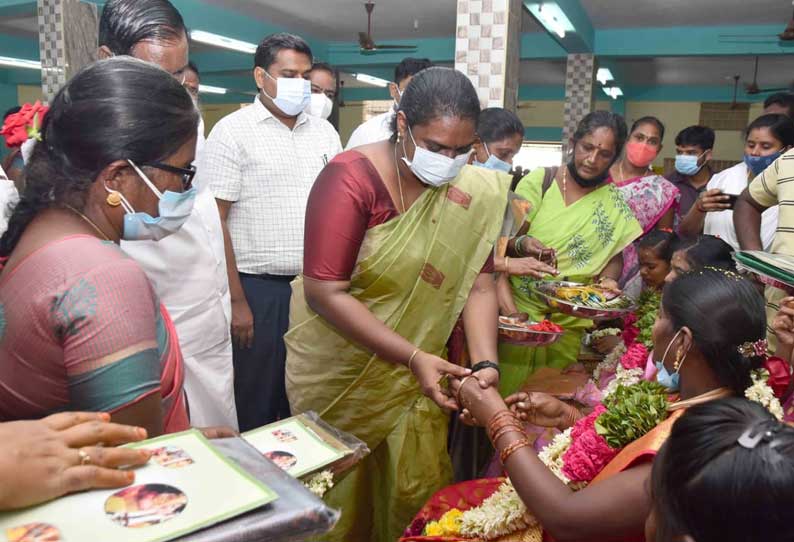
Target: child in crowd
x: 655, y: 252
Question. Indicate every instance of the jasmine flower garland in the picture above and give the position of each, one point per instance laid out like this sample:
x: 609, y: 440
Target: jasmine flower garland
x: 320, y: 483
x: 761, y: 393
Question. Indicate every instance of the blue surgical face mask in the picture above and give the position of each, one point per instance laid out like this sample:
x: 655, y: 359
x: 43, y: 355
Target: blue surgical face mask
x: 293, y: 95
x: 432, y: 168
x: 686, y: 164
x: 757, y: 164
x: 663, y: 376
x: 174, y: 209
x: 493, y: 162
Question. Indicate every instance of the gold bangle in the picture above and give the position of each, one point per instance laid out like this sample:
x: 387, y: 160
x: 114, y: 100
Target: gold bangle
x: 460, y: 389
x: 411, y: 359
x: 507, y: 264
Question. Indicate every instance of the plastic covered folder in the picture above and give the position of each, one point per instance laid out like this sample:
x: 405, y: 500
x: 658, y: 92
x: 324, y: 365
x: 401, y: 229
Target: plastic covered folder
x: 775, y: 270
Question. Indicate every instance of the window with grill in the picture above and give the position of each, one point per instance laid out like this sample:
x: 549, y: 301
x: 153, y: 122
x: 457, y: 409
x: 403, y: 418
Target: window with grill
x: 725, y: 116
x: 373, y: 108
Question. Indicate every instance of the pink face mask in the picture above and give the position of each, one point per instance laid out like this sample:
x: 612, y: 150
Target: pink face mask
x: 641, y: 154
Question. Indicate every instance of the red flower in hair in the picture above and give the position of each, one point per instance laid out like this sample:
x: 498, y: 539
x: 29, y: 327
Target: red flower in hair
x: 24, y: 124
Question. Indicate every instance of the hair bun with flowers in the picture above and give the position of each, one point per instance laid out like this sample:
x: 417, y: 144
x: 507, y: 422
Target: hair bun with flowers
x: 757, y: 348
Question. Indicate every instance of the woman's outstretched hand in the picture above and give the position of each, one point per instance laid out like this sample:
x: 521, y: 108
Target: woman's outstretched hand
x: 65, y: 453
x: 431, y: 372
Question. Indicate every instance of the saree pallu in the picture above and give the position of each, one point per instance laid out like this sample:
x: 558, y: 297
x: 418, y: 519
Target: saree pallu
x: 586, y: 235
x: 468, y: 495
x: 649, y: 198
x: 172, y: 377
x: 414, y: 273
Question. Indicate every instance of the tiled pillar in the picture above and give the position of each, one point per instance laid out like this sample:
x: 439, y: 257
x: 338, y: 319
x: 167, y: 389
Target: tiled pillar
x: 68, y: 35
x: 487, y: 49
x: 579, y: 80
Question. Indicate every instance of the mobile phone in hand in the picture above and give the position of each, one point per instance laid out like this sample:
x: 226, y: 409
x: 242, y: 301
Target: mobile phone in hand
x: 732, y: 199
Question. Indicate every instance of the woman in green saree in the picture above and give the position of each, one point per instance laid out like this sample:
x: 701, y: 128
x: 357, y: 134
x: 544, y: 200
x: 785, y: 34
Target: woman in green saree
x: 579, y: 220
x: 398, y: 244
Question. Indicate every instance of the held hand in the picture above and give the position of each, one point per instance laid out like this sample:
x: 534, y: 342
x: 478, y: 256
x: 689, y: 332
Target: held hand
x: 64, y: 453
x: 712, y: 201
x: 479, y: 404
x: 487, y: 377
x: 531, y: 267
x: 783, y: 323
x: 242, y: 324
x: 429, y: 371
x: 540, y: 409
x: 532, y: 247
x: 519, y: 316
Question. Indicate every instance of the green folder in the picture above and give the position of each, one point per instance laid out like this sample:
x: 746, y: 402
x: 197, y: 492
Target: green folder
x: 777, y: 266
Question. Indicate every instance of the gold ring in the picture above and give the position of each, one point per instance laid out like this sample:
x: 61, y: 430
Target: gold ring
x: 85, y: 459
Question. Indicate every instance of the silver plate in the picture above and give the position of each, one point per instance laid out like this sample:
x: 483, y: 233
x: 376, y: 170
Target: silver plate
x: 523, y: 336
x: 545, y: 291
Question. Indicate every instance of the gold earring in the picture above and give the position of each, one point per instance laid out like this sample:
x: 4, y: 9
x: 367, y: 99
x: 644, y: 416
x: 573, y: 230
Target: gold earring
x: 114, y: 199
x: 677, y: 363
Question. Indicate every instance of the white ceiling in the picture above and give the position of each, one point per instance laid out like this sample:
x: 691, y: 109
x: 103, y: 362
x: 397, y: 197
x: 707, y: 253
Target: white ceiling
x: 650, y: 13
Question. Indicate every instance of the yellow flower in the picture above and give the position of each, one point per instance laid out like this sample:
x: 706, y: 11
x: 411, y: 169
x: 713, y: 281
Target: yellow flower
x: 433, y: 529
x: 450, y: 521
x: 447, y: 525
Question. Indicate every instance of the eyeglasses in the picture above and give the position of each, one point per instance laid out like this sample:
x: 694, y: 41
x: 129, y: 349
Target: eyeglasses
x: 186, y: 173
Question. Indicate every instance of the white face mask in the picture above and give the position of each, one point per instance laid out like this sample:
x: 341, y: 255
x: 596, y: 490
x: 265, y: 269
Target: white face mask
x: 432, y: 168
x: 292, y: 94
x: 320, y: 106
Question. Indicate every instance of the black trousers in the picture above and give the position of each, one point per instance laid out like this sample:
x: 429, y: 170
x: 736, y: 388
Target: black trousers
x: 259, y: 390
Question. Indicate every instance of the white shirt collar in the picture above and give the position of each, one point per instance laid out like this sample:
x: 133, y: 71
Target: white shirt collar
x: 263, y: 113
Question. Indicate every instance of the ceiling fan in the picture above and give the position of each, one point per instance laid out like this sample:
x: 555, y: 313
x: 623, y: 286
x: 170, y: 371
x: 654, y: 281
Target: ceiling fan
x: 753, y: 88
x: 366, y: 42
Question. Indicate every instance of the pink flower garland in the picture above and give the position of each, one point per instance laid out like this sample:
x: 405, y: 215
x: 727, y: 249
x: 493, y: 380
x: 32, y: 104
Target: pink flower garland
x: 630, y: 329
x: 589, y: 452
x: 635, y: 357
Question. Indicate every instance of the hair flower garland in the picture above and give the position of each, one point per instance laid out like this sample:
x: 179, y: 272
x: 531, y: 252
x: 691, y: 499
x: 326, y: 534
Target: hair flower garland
x: 24, y: 125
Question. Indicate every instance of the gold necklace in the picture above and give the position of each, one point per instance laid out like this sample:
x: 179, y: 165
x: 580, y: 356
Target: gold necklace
x: 91, y: 222
x: 565, y: 185
x: 399, y: 180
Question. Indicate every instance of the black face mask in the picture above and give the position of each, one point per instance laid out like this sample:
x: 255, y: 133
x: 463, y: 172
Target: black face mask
x: 586, y: 183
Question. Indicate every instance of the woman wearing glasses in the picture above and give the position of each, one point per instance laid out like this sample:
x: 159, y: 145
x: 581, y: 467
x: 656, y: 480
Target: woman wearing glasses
x: 80, y: 325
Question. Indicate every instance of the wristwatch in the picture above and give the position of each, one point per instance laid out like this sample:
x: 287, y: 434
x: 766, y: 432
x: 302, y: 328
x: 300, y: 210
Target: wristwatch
x: 486, y: 365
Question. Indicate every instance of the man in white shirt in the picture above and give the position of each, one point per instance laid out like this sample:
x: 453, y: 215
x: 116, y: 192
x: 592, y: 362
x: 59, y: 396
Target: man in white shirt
x: 261, y: 162
x: 188, y: 268
x: 378, y: 127
x: 192, y: 82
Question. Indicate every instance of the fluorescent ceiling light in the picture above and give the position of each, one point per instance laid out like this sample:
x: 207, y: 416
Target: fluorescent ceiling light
x: 222, y: 41
x: 604, y: 75
x: 613, y: 92
x: 20, y: 63
x: 552, y: 17
x: 370, y: 80
x: 208, y: 89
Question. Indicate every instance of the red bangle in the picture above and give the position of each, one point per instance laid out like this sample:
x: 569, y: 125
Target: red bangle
x: 512, y: 448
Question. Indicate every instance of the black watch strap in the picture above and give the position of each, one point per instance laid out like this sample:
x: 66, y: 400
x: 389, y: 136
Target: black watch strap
x: 486, y: 365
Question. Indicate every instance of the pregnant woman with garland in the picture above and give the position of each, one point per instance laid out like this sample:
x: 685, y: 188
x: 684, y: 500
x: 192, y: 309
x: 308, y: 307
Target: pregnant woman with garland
x: 591, y: 481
